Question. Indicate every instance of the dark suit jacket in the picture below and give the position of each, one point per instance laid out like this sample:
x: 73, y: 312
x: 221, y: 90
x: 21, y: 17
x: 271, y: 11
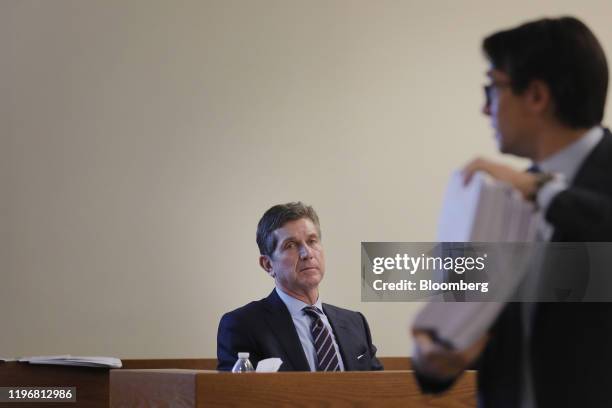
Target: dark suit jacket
x: 265, y: 329
x: 571, y: 357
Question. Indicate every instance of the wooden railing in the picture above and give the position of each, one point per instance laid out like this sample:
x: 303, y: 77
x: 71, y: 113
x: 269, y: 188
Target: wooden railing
x: 203, y: 389
x: 194, y: 383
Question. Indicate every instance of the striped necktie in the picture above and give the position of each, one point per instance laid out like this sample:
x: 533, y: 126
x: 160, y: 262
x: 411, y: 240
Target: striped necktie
x: 327, y: 359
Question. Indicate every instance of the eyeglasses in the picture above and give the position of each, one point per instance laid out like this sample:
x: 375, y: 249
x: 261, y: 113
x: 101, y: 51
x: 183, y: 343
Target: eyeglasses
x: 493, y: 86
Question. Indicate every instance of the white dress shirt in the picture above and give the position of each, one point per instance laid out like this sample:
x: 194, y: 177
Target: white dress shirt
x: 302, y: 323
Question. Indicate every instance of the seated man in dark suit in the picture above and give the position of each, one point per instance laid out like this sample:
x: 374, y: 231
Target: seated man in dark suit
x: 292, y: 323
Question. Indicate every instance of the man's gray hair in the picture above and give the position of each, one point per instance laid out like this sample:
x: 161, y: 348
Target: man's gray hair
x: 276, y: 217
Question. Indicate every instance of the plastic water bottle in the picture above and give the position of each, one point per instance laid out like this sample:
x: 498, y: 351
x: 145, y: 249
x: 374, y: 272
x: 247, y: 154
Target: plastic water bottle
x: 243, y: 365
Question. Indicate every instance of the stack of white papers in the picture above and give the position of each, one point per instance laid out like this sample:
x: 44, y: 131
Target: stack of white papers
x: 486, y: 210
x: 461, y: 324
x: 68, y: 360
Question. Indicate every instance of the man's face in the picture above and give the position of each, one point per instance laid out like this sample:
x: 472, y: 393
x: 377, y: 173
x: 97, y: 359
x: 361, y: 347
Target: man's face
x: 510, y: 118
x: 298, y: 262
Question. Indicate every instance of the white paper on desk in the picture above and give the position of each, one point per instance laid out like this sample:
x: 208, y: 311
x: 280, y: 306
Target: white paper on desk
x: 6, y: 359
x: 68, y: 360
x: 269, y: 365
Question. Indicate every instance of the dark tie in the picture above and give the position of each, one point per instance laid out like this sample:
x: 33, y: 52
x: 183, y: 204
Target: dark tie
x: 327, y: 359
x: 535, y: 169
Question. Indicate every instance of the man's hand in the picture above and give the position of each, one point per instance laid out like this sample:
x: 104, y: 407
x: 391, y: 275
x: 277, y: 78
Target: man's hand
x: 438, y: 361
x: 524, y: 182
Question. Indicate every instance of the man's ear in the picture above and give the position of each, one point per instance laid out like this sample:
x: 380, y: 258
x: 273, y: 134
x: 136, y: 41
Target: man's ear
x: 266, y: 264
x: 538, y: 96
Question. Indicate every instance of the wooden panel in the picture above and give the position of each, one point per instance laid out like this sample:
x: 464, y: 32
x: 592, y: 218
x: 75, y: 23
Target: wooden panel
x: 146, y: 388
x: 390, y: 363
x: 186, y: 363
x: 91, y: 383
x: 297, y: 389
x: 349, y: 389
x: 396, y: 363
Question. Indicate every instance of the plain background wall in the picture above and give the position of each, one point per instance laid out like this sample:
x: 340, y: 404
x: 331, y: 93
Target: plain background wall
x: 142, y: 140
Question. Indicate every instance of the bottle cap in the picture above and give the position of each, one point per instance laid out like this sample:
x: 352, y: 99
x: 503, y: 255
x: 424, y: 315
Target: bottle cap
x: 243, y: 355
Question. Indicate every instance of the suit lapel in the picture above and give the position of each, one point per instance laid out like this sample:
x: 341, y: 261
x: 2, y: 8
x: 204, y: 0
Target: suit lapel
x: 343, y: 336
x: 281, y: 324
x: 587, y: 175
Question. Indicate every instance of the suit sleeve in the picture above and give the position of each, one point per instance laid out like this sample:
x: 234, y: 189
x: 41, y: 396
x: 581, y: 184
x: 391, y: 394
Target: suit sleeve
x: 581, y: 214
x: 375, y: 364
x: 232, y: 338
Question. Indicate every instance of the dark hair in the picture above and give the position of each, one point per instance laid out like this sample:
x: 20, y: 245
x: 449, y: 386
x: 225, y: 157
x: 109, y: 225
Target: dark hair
x: 561, y: 52
x: 276, y: 217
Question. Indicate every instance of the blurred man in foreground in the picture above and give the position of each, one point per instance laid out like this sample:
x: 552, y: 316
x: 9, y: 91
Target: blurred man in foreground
x: 546, y: 99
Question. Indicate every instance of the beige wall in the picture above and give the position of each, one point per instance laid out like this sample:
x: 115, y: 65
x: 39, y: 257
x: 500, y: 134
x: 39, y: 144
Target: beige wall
x: 142, y: 140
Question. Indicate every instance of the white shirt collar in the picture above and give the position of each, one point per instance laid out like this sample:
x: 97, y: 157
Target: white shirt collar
x: 294, y: 305
x: 568, y: 160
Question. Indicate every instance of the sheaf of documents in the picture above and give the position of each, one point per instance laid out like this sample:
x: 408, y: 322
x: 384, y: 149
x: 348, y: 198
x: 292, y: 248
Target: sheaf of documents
x: 485, y: 210
x: 68, y: 360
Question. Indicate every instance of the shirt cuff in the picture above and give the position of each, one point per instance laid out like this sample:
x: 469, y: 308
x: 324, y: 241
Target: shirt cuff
x: 549, y: 191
